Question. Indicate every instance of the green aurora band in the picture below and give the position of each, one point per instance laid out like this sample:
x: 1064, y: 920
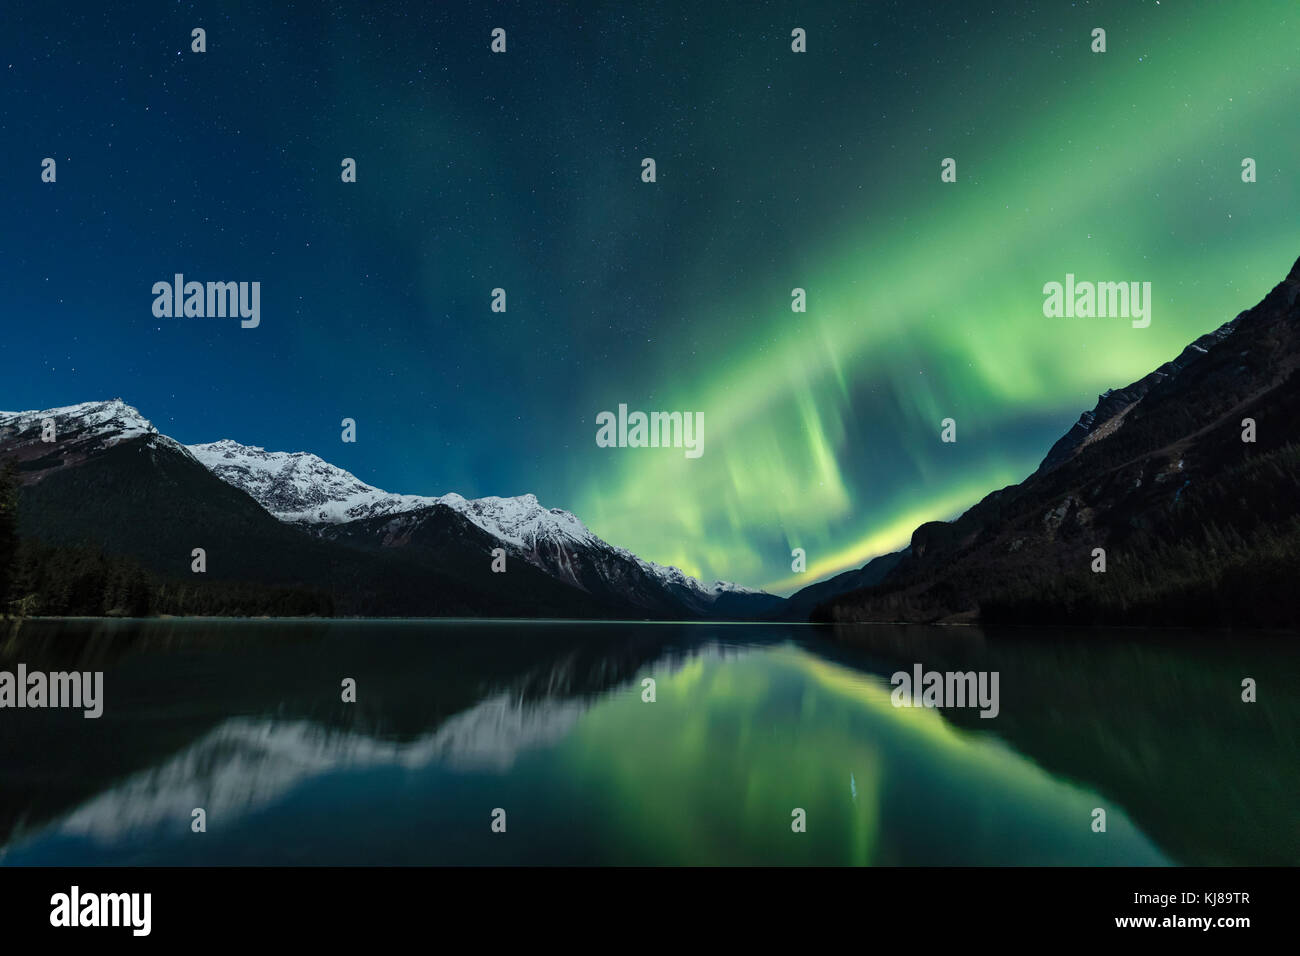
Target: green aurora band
x: 925, y: 301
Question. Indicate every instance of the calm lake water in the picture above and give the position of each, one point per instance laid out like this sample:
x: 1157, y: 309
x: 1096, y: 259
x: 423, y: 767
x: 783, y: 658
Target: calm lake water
x: 546, y: 721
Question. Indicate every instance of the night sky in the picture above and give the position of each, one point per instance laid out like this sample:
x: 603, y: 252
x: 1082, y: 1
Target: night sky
x: 522, y: 170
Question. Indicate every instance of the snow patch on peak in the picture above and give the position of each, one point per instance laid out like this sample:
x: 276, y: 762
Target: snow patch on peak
x: 727, y: 587
x: 677, y: 577
x: 299, y: 486
x: 522, y: 520
x: 302, y: 487
x: 87, y: 424
x: 113, y: 415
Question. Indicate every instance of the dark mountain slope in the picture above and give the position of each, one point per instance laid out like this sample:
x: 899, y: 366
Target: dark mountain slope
x: 1198, y: 526
x: 800, y: 605
x: 147, y: 499
x: 607, y: 577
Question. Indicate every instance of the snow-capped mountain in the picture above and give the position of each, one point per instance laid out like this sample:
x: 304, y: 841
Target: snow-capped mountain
x: 77, y: 431
x: 302, y: 488
x: 133, y: 478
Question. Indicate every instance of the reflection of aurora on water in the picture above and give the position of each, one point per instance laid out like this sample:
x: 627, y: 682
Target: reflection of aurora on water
x: 736, y: 738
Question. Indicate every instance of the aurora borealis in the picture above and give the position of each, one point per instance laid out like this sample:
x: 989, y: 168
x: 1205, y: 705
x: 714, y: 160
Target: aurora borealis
x: 521, y: 170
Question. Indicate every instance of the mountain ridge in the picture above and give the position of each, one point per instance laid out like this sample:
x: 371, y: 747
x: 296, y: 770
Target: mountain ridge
x: 303, y: 488
x: 1196, y: 523
x: 328, y: 504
